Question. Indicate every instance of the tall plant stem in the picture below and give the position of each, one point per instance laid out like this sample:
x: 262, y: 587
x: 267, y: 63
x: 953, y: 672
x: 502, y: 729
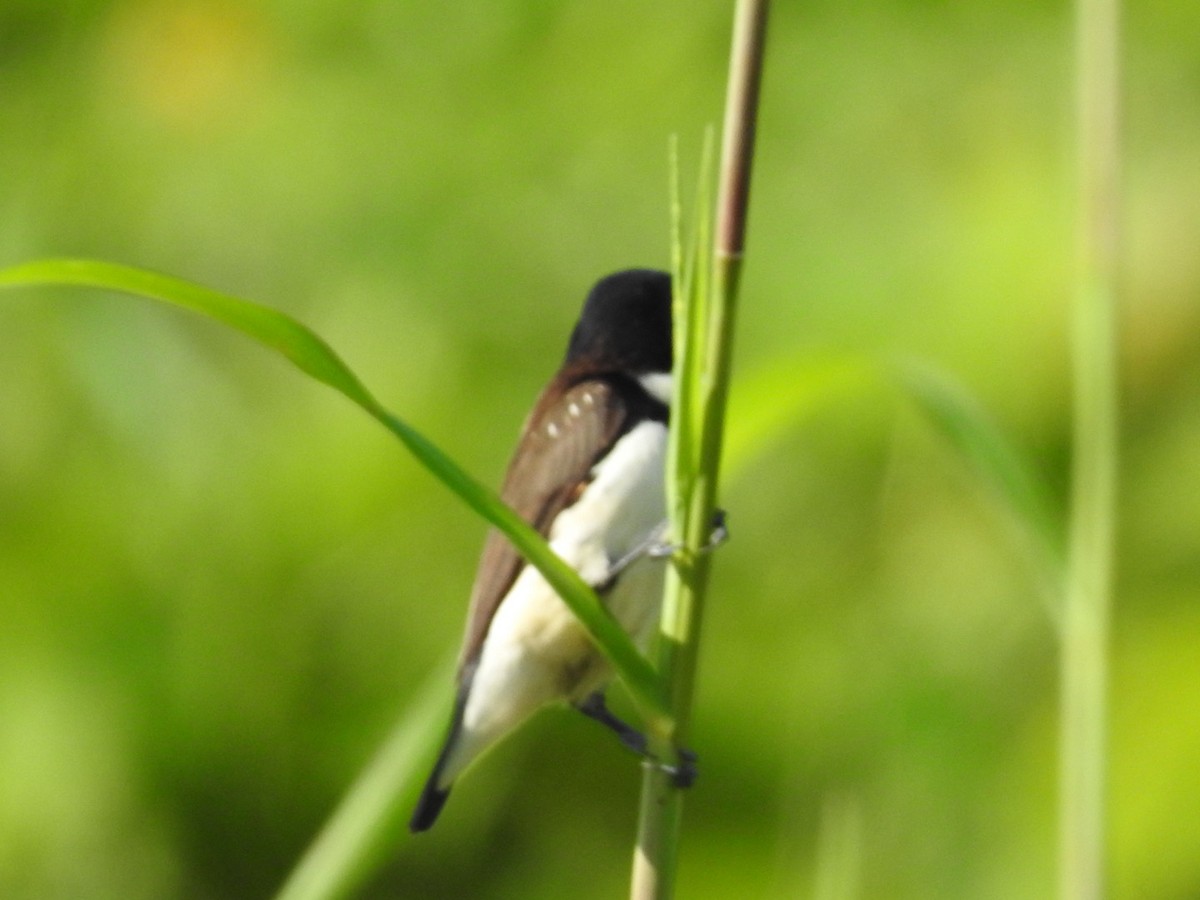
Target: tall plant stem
x: 704, y: 317
x: 1084, y: 661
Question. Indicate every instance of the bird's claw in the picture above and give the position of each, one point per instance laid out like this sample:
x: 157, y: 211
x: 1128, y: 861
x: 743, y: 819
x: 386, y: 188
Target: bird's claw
x: 683, y: 773
x: 718, y: 536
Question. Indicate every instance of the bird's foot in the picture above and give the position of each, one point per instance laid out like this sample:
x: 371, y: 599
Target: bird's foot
x: 718, y: 536
x: 682, y: 772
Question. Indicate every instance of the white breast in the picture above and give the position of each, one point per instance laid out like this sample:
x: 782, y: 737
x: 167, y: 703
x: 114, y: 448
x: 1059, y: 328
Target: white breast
x: 536, y: 651
x: 622, y: 506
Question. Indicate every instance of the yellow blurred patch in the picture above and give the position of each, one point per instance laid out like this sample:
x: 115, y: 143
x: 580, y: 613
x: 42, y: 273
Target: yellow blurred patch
x: 184, y: 64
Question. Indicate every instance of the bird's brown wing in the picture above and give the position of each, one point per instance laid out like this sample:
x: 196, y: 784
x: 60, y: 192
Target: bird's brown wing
x: 560, y: 443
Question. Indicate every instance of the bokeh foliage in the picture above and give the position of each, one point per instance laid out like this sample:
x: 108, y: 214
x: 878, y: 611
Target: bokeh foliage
x: 220, y: 585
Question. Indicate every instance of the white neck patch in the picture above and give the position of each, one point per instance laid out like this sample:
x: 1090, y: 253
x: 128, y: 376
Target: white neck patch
x: 658, y: 385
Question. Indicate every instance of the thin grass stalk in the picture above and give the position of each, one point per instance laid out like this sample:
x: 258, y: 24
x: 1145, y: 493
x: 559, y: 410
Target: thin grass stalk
x: 702, y: 365
x: 1084, y: 659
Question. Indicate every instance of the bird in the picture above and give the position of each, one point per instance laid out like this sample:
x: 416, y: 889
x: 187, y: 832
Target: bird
x: 588, y: 475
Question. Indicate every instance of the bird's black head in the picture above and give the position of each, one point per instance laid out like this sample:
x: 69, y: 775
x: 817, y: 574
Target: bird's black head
x: 626, y: 324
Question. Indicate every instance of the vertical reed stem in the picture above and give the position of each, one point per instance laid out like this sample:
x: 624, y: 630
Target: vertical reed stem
x: 698, y: 415
x: 1084, y: 676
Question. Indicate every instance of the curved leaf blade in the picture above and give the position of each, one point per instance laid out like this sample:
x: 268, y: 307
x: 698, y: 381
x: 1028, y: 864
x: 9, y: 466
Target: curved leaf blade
x: 962, y: 420
x: 270, y: 328
x: 775, y: 399
x: 313, y: 356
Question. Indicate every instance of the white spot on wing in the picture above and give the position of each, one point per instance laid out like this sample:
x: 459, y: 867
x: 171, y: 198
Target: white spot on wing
x: 573, y: 409
x: 552, y: 430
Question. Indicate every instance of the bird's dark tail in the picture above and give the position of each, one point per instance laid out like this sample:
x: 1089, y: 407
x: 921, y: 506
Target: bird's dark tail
x: 433, y: 798
x: 433, y: 795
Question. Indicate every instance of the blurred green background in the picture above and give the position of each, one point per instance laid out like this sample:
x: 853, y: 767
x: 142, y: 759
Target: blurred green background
x: 220, y: 583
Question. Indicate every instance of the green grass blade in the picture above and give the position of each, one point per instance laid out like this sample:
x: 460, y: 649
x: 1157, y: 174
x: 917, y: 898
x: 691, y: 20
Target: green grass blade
x: 656, y: 851
x: 270, y: 328
x: 771, y: 402
x: 678, y: 442
x: 313, y: 356
x: 690, y: 300
x: 689, y: 284
x: 362, y: 834
x: 1000, y: 468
